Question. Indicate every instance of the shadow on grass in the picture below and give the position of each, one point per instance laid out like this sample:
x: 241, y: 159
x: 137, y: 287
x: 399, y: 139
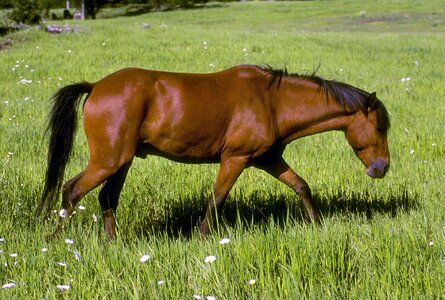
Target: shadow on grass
x: 183, y: 217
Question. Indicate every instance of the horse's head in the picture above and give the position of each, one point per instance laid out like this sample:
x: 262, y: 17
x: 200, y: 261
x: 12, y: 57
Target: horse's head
x: 366, y: 132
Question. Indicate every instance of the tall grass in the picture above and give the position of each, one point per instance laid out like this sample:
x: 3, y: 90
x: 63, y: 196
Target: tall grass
x: 379, y: 239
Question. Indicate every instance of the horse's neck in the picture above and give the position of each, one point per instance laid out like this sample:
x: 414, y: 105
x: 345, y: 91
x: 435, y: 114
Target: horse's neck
x: 305, y: 111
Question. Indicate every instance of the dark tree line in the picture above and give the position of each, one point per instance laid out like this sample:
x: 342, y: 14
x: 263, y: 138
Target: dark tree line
x: 31, y: 11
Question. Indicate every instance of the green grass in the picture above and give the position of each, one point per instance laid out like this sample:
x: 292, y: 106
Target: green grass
x: 379, y: 238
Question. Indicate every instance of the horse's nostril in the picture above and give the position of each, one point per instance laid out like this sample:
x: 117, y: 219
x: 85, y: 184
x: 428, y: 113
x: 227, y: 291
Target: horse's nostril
x: 378, y: 168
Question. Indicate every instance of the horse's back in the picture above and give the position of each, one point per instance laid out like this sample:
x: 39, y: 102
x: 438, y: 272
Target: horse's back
x: 190, y: 116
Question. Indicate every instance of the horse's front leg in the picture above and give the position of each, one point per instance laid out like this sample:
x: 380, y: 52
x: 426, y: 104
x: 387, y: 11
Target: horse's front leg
x: 228, y: 173
x: 278, y: 168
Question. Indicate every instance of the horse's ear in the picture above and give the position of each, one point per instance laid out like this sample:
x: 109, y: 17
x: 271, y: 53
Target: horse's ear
x: 372, y: 100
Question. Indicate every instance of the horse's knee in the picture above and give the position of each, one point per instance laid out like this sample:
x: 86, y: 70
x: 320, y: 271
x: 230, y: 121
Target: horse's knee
x: 303, y: 190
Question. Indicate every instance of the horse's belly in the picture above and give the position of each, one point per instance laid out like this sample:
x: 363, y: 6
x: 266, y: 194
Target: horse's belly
x: 173, y: 151
x: 184, y: 140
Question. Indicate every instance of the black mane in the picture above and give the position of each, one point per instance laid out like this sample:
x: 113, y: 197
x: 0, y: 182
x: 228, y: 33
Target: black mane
x: 347, y: 96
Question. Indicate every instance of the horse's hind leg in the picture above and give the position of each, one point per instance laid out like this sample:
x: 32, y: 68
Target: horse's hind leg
x: 77, y: 187
x: 109, y: 198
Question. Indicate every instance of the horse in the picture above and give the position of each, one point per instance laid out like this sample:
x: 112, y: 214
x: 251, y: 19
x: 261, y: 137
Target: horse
x: 240, y: 117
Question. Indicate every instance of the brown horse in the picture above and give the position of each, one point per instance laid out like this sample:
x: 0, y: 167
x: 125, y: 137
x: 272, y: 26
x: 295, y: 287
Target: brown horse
x: 244, y: 116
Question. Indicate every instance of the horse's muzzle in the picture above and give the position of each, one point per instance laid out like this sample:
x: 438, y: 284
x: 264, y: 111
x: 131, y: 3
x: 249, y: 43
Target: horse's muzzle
x: 378, y: 168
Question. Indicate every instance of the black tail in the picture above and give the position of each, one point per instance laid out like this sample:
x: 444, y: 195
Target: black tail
x: 62, y: 124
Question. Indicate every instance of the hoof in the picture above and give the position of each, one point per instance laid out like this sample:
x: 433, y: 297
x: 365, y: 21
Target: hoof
x: 203, y: 231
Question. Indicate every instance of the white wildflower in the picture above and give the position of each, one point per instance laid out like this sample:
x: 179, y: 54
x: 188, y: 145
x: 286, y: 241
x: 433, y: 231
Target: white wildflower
x: 144, y: 258
x: 210, y: 259
x: 196, y: 297
x: 81, y: 207
x: 25, y: 81
x: 44, y: 249
x: 8, y: 285
x: 62, y: 264
x: 68, y: 241
x: 160, y: 282
x: 94, y: 218
x: 224, y: 241
x: 2, y: 239
x: 430, y: 243
x: 252, y: 281
x: 76, y: 255
x: 13, y: 255
x: 411, y: 151
x: 63, y: 287
x: 63, y: 213
x: 210, y: 298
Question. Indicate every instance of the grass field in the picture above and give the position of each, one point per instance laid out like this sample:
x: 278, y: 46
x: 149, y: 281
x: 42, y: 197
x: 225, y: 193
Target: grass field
x: 379, y: 238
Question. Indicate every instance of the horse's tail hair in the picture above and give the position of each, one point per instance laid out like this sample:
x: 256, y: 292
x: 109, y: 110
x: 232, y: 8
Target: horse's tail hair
x: 61, y: 127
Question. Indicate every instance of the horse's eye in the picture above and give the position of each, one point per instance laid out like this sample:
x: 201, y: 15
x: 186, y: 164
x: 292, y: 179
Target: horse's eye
x: 380, y: 130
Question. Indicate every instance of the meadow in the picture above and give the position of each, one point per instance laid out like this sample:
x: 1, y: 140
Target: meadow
x: 379, y: 238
